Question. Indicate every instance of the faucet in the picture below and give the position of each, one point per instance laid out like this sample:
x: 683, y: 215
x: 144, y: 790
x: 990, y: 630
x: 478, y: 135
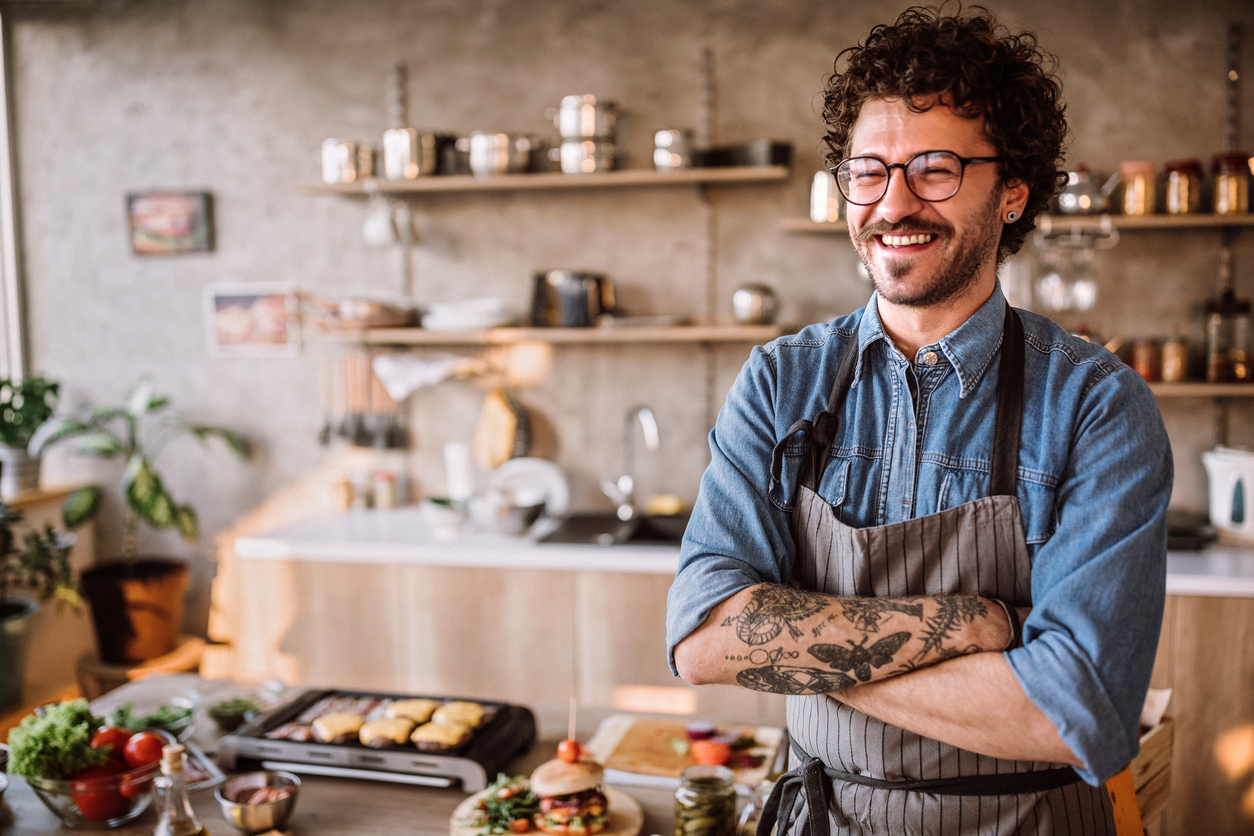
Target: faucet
x: 622, y: 490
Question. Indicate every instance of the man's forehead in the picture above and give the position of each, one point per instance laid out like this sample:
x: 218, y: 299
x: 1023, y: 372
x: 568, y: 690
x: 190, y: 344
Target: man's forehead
x: 932, y: 123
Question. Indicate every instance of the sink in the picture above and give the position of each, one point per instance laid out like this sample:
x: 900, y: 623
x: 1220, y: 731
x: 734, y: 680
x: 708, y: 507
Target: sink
x: 608, y: 530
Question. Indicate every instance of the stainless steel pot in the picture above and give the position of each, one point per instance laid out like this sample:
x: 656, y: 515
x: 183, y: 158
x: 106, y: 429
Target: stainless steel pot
x: 498, y: 153
x: 672, y: 149
x: 585, y: 156
x: 583, y: 117
x: 346, y: 162
x: 409, y: 153
x: 755, y: 304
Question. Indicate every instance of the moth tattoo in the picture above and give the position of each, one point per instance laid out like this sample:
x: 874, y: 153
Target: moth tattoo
x: 858, y: 657
x: 771, y: 609
x: 794, y: 679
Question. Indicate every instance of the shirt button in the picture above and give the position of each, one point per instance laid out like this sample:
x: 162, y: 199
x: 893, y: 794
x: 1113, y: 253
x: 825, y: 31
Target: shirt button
x: 930, y: 358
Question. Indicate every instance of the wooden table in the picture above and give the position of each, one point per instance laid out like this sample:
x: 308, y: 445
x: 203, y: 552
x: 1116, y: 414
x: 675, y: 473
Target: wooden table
x: 338, y: 805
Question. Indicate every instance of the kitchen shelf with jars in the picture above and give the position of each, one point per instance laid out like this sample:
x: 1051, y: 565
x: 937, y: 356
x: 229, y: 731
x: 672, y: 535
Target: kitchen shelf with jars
x: 1051, y: 223
x: 563, y: 336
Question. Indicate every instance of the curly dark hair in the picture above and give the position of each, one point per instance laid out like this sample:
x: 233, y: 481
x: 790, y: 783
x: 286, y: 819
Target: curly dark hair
x: 978, y: 67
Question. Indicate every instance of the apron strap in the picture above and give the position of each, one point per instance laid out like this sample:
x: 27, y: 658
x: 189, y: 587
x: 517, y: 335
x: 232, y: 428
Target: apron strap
x: 810, y: 775
x: 1008, y: 419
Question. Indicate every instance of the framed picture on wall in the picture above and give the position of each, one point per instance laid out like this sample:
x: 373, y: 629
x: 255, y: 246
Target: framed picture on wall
x: 252, y: 319
x: 170, y: 223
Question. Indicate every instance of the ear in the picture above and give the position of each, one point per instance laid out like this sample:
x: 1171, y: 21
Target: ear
x: 1014, y: 197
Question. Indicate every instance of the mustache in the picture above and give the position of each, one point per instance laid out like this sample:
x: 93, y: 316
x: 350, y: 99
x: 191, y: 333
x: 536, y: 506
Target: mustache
x: 912, y: 228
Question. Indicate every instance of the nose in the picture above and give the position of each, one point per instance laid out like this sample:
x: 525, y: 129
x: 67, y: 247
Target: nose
x: 898, y: 201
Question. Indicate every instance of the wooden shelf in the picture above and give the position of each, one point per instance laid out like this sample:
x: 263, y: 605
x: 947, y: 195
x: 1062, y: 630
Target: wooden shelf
x: 1203, y: 390
x: 567, y: 336
x: 554, y: 180
x: 1058, y: 222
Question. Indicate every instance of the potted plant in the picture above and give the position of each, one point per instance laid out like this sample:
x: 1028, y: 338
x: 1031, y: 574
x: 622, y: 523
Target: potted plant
x: 136, y: 603
x: 39, y: 567
x: 24, y: 405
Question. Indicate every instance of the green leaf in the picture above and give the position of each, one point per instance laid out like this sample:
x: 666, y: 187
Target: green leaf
x: 104, y: 414
x: 185, y: 520
x: 140, y: 483
x: 140, y: 400
x: 80, y: 506
x: 102, y: 444
x: 159, y: 513
x: 55, y: 429
x: 237, y: 443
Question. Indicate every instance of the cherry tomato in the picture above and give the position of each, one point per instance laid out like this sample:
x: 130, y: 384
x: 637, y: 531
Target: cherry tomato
x: 144, y: 748
x: 93, y: 792
x: 711, y: 752
x: 113, y: 737
x: 520, y: 825
x: 569, y: 751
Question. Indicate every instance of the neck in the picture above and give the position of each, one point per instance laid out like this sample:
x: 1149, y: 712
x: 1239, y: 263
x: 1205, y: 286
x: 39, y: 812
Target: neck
x: 911, y: 327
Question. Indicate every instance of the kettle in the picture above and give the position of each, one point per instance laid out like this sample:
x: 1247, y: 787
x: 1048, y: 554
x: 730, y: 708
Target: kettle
x: 1231, y: 474
x: 1084, y: 195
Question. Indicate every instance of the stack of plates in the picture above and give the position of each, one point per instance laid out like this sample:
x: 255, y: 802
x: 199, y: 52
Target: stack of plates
x: 468, y: 315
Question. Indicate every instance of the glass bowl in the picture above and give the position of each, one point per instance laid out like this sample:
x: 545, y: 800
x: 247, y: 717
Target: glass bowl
x: 98, y: 803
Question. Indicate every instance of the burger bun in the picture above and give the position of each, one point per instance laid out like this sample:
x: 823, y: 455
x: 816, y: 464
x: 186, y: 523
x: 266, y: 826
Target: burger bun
x: 556, y: 777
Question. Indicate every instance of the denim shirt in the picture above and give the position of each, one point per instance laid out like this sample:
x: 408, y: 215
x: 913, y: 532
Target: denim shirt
x: 914, y: 438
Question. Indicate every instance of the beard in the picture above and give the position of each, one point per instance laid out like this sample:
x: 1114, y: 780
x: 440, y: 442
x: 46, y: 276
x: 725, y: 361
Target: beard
x: 956, y: 272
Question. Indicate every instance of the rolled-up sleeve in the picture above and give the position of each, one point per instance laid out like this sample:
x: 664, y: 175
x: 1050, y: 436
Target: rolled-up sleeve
x: 1099, y: 582
x: 736, y: 536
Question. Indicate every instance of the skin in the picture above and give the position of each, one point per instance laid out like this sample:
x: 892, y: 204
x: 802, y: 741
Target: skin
x: 962, y: 690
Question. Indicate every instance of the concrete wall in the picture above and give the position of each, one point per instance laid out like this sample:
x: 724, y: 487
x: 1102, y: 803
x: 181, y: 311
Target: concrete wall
x: 234, y: 96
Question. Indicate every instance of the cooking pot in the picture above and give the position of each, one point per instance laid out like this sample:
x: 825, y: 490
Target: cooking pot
x: 1231, y: 475
x: 409, y: 153
x: 498, y: 153
x: 584, y: 117
x: 1084, y: 194
x: 585, y: 156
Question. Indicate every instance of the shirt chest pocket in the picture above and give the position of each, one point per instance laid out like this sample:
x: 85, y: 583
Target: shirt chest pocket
x: 1036, y: 500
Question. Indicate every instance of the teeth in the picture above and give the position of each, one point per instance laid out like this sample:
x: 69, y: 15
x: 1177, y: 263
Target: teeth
x: 905, y: 240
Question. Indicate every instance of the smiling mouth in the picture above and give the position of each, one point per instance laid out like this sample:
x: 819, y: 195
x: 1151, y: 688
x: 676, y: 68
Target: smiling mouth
x: 897, y: 241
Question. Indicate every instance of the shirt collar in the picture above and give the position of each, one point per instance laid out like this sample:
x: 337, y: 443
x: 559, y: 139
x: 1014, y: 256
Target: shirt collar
x: 969, y: 348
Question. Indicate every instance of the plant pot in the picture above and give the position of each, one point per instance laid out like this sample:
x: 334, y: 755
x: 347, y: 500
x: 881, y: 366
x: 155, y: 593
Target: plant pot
x: 18, y: 471
x: 136, y: 608
x: 15, y: 616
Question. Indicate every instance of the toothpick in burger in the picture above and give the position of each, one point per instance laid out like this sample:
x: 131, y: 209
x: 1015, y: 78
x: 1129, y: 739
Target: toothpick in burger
x: 572, y: 801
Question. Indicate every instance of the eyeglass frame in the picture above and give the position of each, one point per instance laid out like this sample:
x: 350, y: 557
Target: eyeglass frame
x: 962, y: 173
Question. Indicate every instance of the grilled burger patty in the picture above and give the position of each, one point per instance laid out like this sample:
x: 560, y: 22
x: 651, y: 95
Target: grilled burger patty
x: 576, y: 814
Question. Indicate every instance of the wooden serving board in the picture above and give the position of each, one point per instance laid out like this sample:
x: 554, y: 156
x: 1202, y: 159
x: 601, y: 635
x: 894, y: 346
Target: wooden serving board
x: 626, y: 817
x: 625, y: 743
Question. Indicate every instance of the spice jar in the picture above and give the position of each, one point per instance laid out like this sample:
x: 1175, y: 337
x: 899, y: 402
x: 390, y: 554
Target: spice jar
x: 705, y: 802
x: 1175, y: 359
x: 384, y: 489
x: 1182, y: 187
x: 1139, y: 192
x: 1232, y: 183
x: 1145, y: 358
x: 1228, y: 339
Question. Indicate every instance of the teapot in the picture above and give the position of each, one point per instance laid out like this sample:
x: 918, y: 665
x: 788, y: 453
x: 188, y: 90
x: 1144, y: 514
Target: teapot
x: 1084, y: 195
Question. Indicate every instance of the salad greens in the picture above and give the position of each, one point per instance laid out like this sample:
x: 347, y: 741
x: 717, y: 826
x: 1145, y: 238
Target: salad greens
x: 55, y: 742
x: 163, y: 718
x: 506, y: 800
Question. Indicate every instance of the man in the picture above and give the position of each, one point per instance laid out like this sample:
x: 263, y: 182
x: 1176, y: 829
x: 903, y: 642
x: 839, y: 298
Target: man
x: 937, y: 524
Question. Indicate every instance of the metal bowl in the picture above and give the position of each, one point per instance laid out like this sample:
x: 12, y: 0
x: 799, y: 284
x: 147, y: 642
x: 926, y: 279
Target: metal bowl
x: 258, y: 818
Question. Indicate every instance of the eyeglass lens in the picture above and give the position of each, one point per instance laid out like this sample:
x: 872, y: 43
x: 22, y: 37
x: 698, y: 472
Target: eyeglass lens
x: 935, y: 175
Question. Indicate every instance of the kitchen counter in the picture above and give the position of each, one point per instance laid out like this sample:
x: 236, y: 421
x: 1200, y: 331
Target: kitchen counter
x: 401, y: 536
x: 334, y: 805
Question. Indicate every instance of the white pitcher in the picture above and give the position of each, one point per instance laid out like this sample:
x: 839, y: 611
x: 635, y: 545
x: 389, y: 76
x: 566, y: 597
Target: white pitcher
x: 1231, y: 473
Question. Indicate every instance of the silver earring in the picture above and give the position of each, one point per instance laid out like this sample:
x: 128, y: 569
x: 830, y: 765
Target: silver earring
x: 1012, y: 216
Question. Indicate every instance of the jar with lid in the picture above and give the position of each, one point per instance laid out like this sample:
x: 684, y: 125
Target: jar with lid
x: 1175, y: 359
x: 705, y: 802
x: 1139, y: 195
x: 1145, y: 358
x: 1228, y: 339
x: 1232, y: 183
x: 1182, y: 187
x: 753, y: 810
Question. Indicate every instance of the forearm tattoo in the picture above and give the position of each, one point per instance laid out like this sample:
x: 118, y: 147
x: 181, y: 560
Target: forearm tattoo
x: 773, y: 609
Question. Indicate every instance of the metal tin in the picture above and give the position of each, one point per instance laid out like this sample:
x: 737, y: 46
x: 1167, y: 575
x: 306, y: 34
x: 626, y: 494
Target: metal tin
x: 755, y: 304
x: 672, y: 149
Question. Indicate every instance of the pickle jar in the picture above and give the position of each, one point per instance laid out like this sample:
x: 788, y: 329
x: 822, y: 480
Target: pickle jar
x: 705, y: 802
x: 1232, y: 183
x: 1182, y: 187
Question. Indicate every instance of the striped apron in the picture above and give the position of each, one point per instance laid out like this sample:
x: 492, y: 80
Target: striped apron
x: 857, y: 775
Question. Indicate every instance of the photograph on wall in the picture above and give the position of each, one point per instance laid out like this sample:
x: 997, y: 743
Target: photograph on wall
x: 170, y: 223
x: 257, y: 319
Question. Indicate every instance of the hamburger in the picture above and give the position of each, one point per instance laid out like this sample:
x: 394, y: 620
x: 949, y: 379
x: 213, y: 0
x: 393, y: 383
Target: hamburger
x: 572, y: 802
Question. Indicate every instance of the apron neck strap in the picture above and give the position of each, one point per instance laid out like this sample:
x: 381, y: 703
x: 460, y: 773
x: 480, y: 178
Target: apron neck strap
x: 1008, y: 419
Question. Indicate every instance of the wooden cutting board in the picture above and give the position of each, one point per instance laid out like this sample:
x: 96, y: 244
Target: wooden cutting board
x: 625, y: 743
x: 626, y: 817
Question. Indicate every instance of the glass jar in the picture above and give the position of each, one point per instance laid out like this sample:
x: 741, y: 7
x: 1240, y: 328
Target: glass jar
x: 1232, y: 183
x: 1228, y: 339
x: 1139, y: 189
x: 1145, y: 358
x: 1175, y: 359
x: 705, y: 802
x: 1182, y: 187
x: 753, y: 810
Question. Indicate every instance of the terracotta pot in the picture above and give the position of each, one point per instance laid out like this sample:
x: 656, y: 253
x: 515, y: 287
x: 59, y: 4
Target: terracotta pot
x: 136, y: 608
x: 15, y: 616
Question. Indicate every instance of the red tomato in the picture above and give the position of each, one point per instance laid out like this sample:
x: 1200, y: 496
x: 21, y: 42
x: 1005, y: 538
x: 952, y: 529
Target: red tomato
x: 91, y: 791
x: 520, y: 825
x: 144, y: 748
x: 711, y: 752
x: 569, y: 751
x: 113, y: 737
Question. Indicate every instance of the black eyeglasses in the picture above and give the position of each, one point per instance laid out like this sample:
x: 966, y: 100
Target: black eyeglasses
x: 930, y: 175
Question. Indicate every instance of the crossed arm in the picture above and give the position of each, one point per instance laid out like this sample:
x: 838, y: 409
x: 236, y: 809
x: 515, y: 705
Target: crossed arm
x: 926, y: 663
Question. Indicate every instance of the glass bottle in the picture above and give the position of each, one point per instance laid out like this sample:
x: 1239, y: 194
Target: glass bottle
x: 1228, y: 339
x: 705, y: 802
x: 177, y: 818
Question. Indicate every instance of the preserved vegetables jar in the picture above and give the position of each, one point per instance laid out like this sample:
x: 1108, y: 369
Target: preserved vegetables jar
x: 1232, y: 183
x: 1182, y: 187
x: 705, y: 802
